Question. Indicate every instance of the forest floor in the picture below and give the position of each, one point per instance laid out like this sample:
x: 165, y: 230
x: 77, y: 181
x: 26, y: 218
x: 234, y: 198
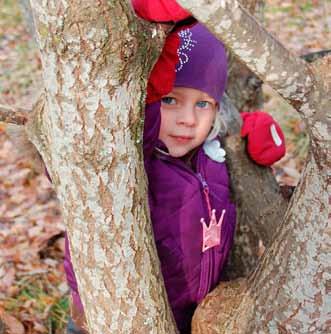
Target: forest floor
x: 33, y: 291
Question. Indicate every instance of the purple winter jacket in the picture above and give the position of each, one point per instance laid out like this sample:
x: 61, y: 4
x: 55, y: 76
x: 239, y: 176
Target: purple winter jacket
x: 177, y: 203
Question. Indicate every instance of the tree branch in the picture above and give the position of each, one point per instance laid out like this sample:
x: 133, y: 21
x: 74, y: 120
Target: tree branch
x: 229, y: 21
x: 245, y: 174
x: 313, y: 56
x: 18, y: 116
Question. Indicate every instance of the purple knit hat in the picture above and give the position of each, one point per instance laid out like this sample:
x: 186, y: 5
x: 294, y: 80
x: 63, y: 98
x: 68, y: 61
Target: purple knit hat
x: 191, y: 57
x: 202, y: 62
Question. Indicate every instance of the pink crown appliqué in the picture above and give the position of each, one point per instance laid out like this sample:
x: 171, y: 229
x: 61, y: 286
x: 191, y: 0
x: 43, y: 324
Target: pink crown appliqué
x: 212, y: 233
x: 187, y: 45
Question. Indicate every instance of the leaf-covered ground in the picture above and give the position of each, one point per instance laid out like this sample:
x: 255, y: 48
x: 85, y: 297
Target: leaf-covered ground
x: 33, y: 292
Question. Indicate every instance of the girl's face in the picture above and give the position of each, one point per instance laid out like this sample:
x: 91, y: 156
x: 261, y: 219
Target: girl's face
x: 187, y: 116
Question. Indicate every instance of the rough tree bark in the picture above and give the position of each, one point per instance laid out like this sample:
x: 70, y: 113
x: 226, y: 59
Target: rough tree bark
x: 290, y: 290
x: 258, y: 211
x: 94, y: 59
x: 244, y: 87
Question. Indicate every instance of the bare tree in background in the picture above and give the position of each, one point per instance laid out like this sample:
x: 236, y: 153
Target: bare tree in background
x: 26, y: 11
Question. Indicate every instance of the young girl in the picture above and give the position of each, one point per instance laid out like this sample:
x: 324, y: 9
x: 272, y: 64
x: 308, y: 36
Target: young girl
x: 193, y: 218
x: 189, y: 198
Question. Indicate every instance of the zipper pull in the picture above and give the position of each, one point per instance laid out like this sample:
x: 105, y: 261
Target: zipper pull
x: 206, y: 193
x: 203, y: 181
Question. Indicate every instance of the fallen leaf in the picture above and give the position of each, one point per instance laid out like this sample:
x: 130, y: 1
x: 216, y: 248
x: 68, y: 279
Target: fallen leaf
x: 12, y: 325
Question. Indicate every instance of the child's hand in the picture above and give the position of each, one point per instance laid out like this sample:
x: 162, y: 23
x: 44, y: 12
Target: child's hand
x: 160, y: 10
x: 265, y: 138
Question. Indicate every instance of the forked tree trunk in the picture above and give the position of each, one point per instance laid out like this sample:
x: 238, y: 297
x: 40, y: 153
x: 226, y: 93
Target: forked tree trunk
x: 94, y: 57
x: 290, y: 290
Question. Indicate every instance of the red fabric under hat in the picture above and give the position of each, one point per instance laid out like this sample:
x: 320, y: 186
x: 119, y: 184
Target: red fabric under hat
x: 160, y: 10
x: 162, y: 77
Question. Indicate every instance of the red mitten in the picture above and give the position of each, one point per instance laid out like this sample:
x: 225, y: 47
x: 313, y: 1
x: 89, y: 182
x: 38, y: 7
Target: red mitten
x: 159, y: 10
x: 265, y: 138
x: 162, y: 77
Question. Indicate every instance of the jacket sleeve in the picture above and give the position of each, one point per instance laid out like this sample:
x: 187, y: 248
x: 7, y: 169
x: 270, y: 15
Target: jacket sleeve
x: 160, y: 10
x: 151, y: 128
x: 71, y: 278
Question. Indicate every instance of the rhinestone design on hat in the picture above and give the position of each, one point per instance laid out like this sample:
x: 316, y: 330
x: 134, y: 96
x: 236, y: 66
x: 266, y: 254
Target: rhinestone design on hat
x: 187, y: 45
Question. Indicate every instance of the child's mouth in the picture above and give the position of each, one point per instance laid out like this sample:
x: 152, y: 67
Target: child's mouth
x: 182, y: 139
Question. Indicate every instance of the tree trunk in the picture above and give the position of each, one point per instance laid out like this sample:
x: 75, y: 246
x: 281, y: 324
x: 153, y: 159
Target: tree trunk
x: 290, y: 290
x: 26, y: 11
x: 244, y: 87
x: 258, y: 211
x: 95, y: 58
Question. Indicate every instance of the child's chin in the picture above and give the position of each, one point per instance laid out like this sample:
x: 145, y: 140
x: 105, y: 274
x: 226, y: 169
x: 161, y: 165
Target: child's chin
x: 178, y: 153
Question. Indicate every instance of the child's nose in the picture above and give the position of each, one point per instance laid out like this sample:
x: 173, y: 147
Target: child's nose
x: 187, y: 116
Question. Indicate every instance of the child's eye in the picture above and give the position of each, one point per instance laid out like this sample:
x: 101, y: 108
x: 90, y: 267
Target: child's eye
x: 203, y: 104
x: 168, y: 100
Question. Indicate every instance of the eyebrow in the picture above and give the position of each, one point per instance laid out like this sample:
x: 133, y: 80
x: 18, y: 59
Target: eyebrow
x: 208, y: 98
x: 203, y: 97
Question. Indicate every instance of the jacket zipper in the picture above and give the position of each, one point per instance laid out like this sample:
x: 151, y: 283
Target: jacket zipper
x: 207, y: 257
x: 207, y: 264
